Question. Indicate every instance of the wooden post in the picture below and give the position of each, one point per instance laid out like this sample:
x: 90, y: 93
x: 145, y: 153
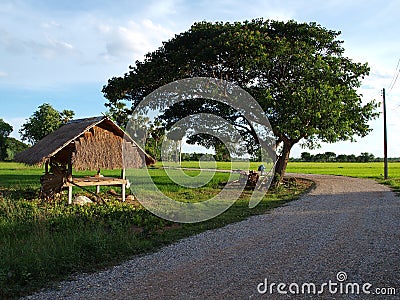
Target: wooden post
x: 123, y: 185
x: 180, y: 153
x: 69, y: 178
x: 97, y: 189
x: 385, y: 155
x: 70, y: 194
x: 69, y: 169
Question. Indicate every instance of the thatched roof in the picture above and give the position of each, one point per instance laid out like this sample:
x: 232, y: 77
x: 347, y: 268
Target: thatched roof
x: 90, y: 144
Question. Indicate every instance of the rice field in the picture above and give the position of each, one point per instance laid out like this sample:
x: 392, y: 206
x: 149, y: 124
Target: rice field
x: 362, y: 170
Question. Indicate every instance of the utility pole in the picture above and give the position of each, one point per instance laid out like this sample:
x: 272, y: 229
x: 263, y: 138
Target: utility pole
x: 384, y: 137
x: 180, y: 152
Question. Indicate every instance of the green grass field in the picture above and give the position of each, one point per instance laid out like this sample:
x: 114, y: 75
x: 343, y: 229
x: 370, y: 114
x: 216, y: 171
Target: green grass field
x: 362, y: 170
x: 373, y: 170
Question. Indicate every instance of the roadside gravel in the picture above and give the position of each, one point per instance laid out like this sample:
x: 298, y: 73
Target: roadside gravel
x: 344, y: 225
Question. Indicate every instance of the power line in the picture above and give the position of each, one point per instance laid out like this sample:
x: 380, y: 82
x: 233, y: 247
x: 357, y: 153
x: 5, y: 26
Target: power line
x: 394, y: 79
x: 394, y: 75
x: 391, y: 88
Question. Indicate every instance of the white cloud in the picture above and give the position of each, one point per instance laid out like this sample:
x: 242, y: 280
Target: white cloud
x: 51, y: 48
x: 3, y: 74
x: 11, y: 44
x: 51, y: 24
x: 17, y: 44
x: 132, y: 40
x: 161, y: 9
x: 7, y: 7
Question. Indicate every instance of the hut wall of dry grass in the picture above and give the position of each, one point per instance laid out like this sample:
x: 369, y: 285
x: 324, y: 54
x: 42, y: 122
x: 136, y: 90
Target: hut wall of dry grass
x: 99, y: 148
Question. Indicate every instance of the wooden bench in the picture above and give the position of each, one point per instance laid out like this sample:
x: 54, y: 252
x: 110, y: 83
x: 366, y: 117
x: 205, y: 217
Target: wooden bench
x: 95, y: 181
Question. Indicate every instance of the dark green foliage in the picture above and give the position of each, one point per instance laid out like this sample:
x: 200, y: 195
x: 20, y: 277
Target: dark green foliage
x: 331, y: 157
x: 5, y: 130
x: 14, y: 146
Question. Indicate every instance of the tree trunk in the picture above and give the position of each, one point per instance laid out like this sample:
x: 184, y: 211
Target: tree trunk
x: 280, y: 167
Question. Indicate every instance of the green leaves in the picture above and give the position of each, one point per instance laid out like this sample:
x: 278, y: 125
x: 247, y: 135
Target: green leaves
x: 45, y: 120
x: 5, y: 130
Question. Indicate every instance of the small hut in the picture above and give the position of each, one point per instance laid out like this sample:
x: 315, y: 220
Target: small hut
x: 85, y: 144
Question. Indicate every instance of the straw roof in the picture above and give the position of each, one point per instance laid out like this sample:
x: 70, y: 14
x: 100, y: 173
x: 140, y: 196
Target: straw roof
x: 90, y: 144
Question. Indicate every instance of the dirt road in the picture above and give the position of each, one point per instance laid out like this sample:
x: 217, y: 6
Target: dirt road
x: 343, y: 235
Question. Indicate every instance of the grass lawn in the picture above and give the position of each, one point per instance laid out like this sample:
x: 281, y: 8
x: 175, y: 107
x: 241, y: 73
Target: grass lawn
x: 362, y: 170
x: 44, y: 242
x: 373, y: 170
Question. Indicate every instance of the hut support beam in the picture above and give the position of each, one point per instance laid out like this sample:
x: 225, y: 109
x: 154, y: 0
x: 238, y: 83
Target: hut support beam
x: 70, y: 194
x: 123, y: 185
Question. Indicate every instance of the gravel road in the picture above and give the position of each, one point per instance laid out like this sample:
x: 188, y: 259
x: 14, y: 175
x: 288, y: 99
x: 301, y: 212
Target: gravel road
x: 343, y: 234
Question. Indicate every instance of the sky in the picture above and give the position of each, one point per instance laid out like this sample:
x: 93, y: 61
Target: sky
x: 64, y: 52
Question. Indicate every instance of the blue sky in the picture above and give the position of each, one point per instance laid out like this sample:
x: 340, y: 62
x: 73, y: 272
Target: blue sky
x: 63, y: 52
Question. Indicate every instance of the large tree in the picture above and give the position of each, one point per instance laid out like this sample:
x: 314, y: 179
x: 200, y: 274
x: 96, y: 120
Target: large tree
x: 297, y: 72
x: 43, y: 121
x: 5, y: 130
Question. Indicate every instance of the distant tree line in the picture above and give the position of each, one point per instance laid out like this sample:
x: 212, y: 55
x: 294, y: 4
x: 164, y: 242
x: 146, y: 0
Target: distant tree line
x: 198, y: 156
x: 332, y: 157
x: 8, y: 145
x: 218, y: 156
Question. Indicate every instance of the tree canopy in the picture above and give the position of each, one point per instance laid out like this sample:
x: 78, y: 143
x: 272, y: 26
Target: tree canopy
x: 43, y: 121
x: 297, y: 72
x: 5, y: 130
